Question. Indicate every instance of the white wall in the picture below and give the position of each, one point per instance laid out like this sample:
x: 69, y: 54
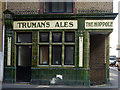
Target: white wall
x: 119, y: 27
x: 114, y: 34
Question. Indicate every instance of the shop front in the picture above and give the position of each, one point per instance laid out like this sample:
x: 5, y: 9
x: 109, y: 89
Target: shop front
x: 57, y: 49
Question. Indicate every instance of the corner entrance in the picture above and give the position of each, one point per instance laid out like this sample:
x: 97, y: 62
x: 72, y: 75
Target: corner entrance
x: 97, y: 59
x: 24, y: 58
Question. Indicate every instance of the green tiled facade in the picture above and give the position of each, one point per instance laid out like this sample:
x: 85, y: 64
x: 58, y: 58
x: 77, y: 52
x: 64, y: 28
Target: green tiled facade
x: 72, y: 76
x: 43, y: 75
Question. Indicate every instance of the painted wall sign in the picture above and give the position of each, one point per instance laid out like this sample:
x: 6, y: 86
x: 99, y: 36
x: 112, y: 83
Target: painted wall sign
x: 45, y: 24
x: 98, y: 24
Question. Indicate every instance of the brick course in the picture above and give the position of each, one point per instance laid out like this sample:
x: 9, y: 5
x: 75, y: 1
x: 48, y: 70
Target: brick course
x: 24, y: 7
x: 94, y: 7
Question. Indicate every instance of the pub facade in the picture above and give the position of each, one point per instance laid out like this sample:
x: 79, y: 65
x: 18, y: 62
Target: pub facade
x: 57, y: 49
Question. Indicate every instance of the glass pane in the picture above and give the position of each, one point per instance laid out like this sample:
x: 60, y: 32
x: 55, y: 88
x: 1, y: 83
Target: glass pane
x: 24, y: 55
x: 47, y: 7
x: 44, y: 55
x: 69, y: 55
x: 56, y: 55
x: 44, y: 37
x: 24, y: 37
x: 69, y: 6
x: 69, y: 37
x: 57, y: 37
x: 57, y: 6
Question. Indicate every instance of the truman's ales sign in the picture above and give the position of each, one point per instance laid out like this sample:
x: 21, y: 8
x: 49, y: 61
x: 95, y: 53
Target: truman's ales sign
x: 98, y: 24
x: 45, y: 24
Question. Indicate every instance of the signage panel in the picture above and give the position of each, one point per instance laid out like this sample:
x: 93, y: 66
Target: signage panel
x: 98, y: 24
x: 45, y: 24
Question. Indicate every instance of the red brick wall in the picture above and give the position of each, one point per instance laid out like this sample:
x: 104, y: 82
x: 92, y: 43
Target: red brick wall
x: 80, y: 7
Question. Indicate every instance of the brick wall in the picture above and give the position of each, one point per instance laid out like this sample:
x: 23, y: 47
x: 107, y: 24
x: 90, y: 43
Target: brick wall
x: 81, y: 7
x: 24, y: 7
x: 94, y: 7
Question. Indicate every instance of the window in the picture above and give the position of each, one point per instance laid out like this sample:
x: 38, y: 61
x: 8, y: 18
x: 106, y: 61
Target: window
x: 24, y: 48
x: 24, y: 37
x: 69, y: 37
x: 44, y: 49
x: 44, y: 37
x: 69, y: 55
x: 44, y: 55
x: 58, y: 7
x: 57, y: 37
x: 24, y: 55
x: 56, y: 55
x: 57, y: 48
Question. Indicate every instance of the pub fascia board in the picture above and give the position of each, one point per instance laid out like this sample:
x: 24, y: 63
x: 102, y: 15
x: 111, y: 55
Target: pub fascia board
x: 52, y: 24
x: 99, y: 27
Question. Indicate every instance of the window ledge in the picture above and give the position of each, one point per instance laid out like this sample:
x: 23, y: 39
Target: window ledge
x: 68, y: 66
x: 56, y: 65
x: 43, y: 65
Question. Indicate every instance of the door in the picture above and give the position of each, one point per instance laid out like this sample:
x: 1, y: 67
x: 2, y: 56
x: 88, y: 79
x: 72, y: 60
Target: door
x: 24, y: 58
x: 97, y: 59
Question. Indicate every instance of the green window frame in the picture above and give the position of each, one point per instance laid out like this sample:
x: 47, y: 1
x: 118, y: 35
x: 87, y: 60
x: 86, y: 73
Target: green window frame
x: 22, y: 39
x: 60, y: 53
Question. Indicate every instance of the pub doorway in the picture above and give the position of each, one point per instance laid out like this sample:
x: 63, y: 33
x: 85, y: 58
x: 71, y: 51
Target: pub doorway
x: 24, y: 59
x: 97, y: 59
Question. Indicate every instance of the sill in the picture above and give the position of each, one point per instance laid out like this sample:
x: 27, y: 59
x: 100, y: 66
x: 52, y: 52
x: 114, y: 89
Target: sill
x: 43, y: 65
x: 56, y: 43
x: 56, y: 65
x: 43, y: 43
x: 68, y: 66
x: 23, y: 43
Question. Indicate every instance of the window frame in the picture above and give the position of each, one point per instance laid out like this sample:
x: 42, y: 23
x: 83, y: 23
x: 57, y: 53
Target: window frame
x: 22, y: 33
x: 66, y: 37
x: 60, y: 56
x: 73, y: 54
x: 65, y: 6
x: 60, y: 38
x: 40, y: 57
x: 17, y: 44
x: 62, y: 44
x: 44, y: 41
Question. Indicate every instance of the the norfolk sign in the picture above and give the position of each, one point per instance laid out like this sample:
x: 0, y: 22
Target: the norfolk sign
x: 98, y: 24
x: 45, y: 24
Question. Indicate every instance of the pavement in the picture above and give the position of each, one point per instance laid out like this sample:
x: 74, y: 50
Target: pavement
x: 1, y: 65
x: 1, y: 68
x: 113, y: 83
x: 114, y: 68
